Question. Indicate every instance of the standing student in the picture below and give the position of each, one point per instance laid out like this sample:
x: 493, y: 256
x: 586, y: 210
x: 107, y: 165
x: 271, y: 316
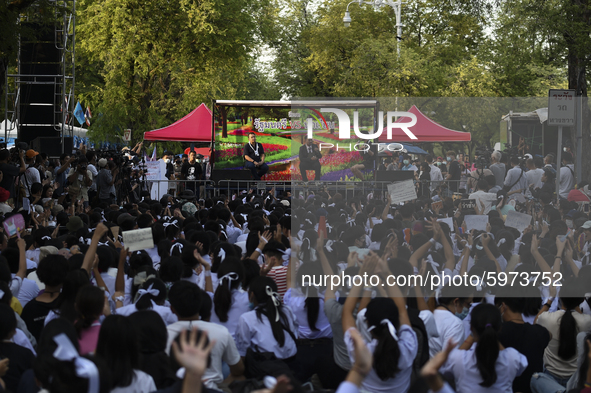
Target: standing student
x: 482, y: 364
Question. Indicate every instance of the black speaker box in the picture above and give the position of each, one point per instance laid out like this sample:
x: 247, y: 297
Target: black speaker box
x: 231, y: 174
x: 52, y: 146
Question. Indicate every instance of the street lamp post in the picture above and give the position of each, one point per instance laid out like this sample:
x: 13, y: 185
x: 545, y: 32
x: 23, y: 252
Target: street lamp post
x: 377, y: 4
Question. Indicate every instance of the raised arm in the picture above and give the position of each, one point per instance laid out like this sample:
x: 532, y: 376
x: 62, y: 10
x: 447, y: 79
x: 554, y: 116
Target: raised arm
x: 22, y: 258
x: 538, y: 257
x: 100, y: 230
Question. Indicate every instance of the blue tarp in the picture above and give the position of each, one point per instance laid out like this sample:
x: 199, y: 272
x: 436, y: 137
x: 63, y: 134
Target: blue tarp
x: 413, y: 149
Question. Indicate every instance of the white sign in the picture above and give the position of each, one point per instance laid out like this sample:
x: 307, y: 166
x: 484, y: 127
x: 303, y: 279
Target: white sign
x: 402, y: 191
x: 449, y: 221
x: 517, y: 220
x: 127, y: 135
x: 153, y: 168
x: 561, y: 107
x: 139, y: 239
x: 475, y: 221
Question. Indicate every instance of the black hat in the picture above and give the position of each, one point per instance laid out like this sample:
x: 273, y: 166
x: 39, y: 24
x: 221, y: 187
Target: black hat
x: 187, y: 194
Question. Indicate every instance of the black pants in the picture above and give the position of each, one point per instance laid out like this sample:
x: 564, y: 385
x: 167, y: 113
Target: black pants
x: 312, y: 165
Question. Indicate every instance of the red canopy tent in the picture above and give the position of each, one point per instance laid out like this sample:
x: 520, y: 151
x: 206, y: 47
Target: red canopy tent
x: 195, y: 127
x: 426, y: 130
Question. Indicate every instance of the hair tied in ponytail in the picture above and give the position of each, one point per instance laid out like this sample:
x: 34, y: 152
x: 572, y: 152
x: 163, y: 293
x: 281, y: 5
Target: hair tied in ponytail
x: 222, y: 254
x: 233, y: 276
x: 275, y: 297
x: 391, y: 328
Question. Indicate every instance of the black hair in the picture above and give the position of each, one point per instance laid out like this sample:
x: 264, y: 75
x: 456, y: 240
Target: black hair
x: 387, y: 352
x: 217, y: 260
x: 90, y: 301
x: 312, y: 302
x: 251, y: 271
x: 266, y: 307
x: 485, y: 324
x: 144, y: 302
x: 73, y: 282
x: 570, y: 299
x: 118, y: 346
x: 171, y: 269
x: 106, y: 258
x: 206, y: 305
x: 8, y: 319
x: 185, y: 299
x: 222, y: 298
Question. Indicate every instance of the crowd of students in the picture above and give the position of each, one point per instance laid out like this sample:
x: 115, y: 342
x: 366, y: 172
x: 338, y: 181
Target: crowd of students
x: 220, y: 303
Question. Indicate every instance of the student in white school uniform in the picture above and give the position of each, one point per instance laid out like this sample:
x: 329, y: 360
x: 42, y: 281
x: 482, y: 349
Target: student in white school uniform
x: 230, y: 301
x: 270, y: 326
x: 314, y: 331
x: 151, y: 295
x: 185, y: 301
x: 394, y: 344
x: 447, y: 317
x: 482, y: 364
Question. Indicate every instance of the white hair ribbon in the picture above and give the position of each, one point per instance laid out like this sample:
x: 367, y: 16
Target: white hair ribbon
x: 286, y: 254
x: 141, y: 278
x: 245, y: 216
x: 331, y: 205
x: 391, y: 328
x: 81, y: 239
x: 176, y: 245
x: 1, y: 293
x: 218, y: 202
x: 150, y: 290
x: 85, y: 368
x: 102, y: 244
x: 174, y: 222
x: 276, y: 302
x: 328, y: 245
x: 232, y: 276
x: 306, y: 240
x: 225, y: 234
x: 433, y: 264
x: 222, y: 254
x: 308, y: 221
x: 46, y: 238
x: 502, y: 241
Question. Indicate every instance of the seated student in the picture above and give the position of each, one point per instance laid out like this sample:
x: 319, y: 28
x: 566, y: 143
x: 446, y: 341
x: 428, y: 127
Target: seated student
x: 314, y: 331
x: 275, y: 255
x: 118, y: 346
x: 449, y: 325
x: 51, y: 272
x: 530, y: 340
x: 150, y: 295
x: 486, y: 366
x: 185, y: 301
x: 90, y: 304
x: 229, y: 300
x: 20, y: 358
x: 394, y: 343
x: 270, y: 326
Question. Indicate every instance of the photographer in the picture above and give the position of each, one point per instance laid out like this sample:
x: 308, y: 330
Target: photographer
x: 31, y: 174
x: 61, y: 172
x: 106, y: 180
x: 10, y: 171
x: 80, y: 180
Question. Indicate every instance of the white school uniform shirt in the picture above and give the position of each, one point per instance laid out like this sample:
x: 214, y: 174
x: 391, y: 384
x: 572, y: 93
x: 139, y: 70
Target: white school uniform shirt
x: 240, y: 305
x: 461, y: 364
x: 28, y: 291
x: 140, y: 383
x: 153, y: 253
x: 109, y: 282
x: 20, y: 338
x: 468, y: 319
x: 448, y: 326
x: 223, y: 350
x: 257, y: 334
x: 408, y: 345
x: 33, y: 255
x: 425, y: 315
x: 167, y: 316
x: 296, y: 301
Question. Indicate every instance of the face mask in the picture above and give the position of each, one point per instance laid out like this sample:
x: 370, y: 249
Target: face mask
x: 250, y: 305
x: 463, y: 314
x: 564, y: 148
x: 168, y: 161
x: 448, y: 158
x: 438, y: 163
x: 405, y: 162
x: 569, y: 224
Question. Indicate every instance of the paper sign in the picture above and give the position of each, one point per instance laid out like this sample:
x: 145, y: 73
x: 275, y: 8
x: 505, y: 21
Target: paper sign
x: 13, y: 225
x: 27, y: 205
x: 449, y: 221
x: 437, y: 205
x: 402, y: 191
x: 516, y: 220
x: 153, y: 168
x: 127, y: 135
x: 138, y: 239
x: 468, y: 204
x: 477, y: 222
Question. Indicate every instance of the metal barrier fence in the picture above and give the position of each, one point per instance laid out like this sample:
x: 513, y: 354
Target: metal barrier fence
x: 208, y: 188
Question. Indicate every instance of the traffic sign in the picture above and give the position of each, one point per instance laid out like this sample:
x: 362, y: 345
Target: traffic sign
x: 561, y: 108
